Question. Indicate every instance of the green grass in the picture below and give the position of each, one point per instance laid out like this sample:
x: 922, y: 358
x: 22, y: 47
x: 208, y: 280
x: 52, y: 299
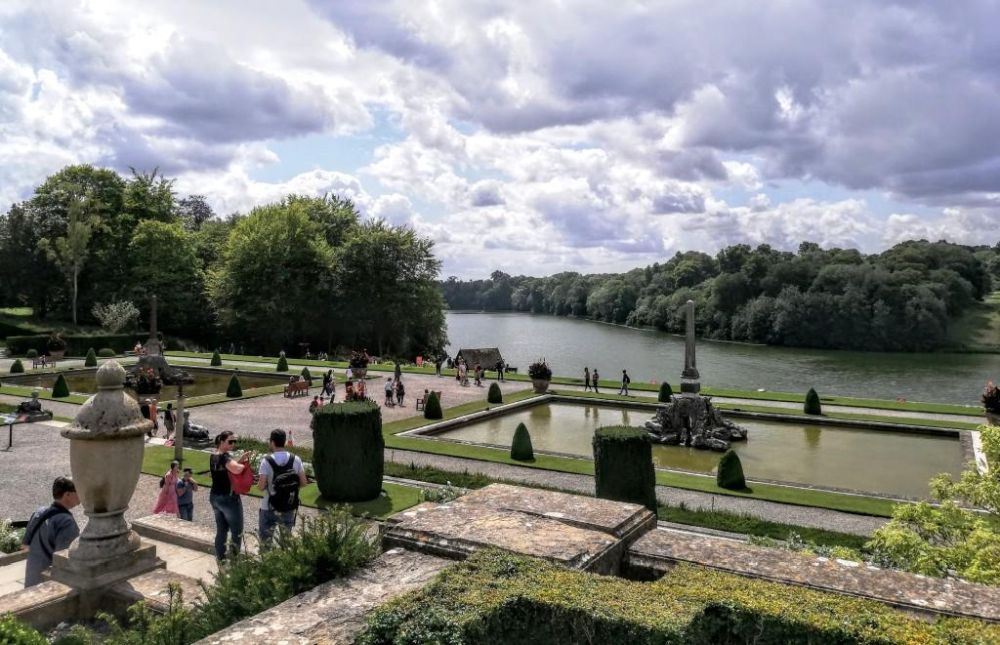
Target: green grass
x: 18, y: 390
x: 978, y: 329
x: 17, y: 311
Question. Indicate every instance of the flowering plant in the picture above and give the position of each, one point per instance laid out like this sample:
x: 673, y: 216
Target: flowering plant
x: 540, y: 370
x: 359, y: 359
x: 991, y: 398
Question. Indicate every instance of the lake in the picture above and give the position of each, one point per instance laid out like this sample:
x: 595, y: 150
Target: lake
x: 569, y: 344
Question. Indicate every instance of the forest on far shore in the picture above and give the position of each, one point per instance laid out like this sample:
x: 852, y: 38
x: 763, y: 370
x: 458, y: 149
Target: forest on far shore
x: 903, y: 299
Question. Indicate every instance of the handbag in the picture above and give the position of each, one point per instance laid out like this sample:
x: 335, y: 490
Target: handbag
x: 241, y: 483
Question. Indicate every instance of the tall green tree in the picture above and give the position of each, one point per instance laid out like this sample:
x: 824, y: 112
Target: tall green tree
x: 70, y: 251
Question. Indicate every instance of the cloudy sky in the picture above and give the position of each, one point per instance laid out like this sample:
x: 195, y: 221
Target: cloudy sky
x: 532, y: 136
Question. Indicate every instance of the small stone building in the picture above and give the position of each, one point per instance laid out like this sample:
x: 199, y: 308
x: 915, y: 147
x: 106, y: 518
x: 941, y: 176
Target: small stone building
x: 485, y: 357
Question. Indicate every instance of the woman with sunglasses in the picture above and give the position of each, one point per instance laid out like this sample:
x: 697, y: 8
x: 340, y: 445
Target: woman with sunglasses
x: 226, y: 504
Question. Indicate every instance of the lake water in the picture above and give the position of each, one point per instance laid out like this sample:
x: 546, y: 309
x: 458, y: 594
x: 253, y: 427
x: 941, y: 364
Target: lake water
x: 569, y: 344
x: 875, y: 461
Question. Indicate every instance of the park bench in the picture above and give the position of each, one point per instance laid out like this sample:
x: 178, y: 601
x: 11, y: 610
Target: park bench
x: 423, y: 400
x: 297, y: 388
x: 42, y: 361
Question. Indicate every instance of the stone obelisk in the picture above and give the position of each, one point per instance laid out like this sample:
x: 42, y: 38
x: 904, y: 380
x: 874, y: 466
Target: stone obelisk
x: 689, y: 377
x: 153, y: 347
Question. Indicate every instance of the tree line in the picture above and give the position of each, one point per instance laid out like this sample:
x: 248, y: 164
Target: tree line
x: 301, y: 270
x: 900, y: 300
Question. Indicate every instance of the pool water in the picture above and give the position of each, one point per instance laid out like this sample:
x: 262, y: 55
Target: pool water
x: 876, y: 461
x: 205, y: 382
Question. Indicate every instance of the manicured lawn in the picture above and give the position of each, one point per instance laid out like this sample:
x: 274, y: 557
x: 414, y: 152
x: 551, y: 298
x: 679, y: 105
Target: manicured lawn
x: 978, y: 329
x: 19, y: 390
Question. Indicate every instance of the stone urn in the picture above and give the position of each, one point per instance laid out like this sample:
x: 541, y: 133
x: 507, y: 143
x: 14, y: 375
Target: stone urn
x: 106, y: 448
x: 359, y: 372
x: 541, y: 385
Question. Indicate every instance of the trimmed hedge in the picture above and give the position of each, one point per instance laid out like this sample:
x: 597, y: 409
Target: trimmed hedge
x: 496, y: 597
x: 348, y: 451
x: 665, y: 393
x: 76, y: 344
x: 31, y: 353
x: 730, y: 473
x: 432, y: 407
x: 307, y: 375
x: 812, y: 405
x: 60, y: 389
x: 216, y: 359
x: 520, y: 447
x: 623, y: 465
x: 495, y: 395
x: 91, y: 360
x: 106, y: 352
x: 8, y: 329
x: 235, y: 390
x: 282, y: 365
x: 17, y: 367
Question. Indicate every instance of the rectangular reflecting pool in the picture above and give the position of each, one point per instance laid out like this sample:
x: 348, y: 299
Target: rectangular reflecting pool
x: 877, y: 461
x: 205, y: 382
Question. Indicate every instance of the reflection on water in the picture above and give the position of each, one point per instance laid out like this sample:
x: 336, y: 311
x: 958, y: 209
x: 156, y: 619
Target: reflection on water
x: 206, y: 382
x: 868, y: 460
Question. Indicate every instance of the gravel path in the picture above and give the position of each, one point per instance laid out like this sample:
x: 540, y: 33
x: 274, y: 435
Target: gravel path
x: 773, y: 511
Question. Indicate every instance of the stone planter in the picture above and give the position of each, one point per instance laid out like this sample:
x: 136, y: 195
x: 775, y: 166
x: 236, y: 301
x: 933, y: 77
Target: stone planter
x: 57, y: 354
x: 993, y: 418
x: 541, y: 385
x: 359, y: 372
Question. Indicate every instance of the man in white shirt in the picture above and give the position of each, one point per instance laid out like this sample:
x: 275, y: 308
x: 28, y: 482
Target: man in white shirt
x: 281, y: 476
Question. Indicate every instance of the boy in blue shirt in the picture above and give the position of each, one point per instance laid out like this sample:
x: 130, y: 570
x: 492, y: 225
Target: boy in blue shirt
x: 185, y: 496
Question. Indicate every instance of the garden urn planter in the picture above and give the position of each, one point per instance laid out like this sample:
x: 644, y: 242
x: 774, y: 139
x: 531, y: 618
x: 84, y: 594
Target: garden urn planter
x: 106, y: 449
x: 541, y: 385
x: 993, y: 418
x: 359, y: 372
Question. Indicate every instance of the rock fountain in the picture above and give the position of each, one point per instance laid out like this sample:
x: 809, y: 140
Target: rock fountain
x: 152, y: 370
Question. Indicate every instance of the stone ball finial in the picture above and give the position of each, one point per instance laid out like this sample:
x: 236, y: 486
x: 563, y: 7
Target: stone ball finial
x: 110, y: 376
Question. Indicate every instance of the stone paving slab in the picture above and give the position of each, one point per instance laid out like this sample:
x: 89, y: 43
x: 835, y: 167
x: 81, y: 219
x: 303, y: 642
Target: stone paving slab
x: 335, y: 611
x: 152, y: 587
x: 655, y: 553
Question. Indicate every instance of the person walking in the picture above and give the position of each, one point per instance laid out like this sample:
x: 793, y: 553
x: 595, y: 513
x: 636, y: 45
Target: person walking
x: 226, y: 504
x: 388, y: 392
x: 50, y: 529
x: 313, y: 404
x: 625, y: 381
x: 280, y: 476
x: 169, y: 420
x: 500, y: 369
x: 400, y: 392
x: 326, y: 382
x: 594, y: 377
x: 586, y: 379
x: 437, y: 367
x: 185, y: 496
x: 166, y: 501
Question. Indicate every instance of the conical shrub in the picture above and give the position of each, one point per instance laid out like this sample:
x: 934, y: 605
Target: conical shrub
x: 432, y: 407
x: 306, y: 374
x: 812, y: 405
x: 665, y: 392
x: 216, y: 359
x: 623, y: 465
x: 282, y: 364
x: 730, y: 474
x: 494, y: 395
x: 91, y: 360
x: 17, y: 367
x: 520, y: 447
x: 61, y: 388
x: 235, y: 390
x: 348, y: 451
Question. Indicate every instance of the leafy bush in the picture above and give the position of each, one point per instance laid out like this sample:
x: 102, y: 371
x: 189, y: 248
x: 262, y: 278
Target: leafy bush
x: 520, y: 447
x: 432, y: 407
x: 540, y: 370
x: 730, y: 472
x: 61, y: 389
x: 991, y: 398
x: 496, y: 597
x: 812, y: 405
x: 348, y: 451
x: 495, y: 395
x: 623, y: 465
x: 665, y: 393
x: 358, y: 359
x: 10, y: 538
x: 115, y: 316
x: 55, y: 343
x: 307, y: 375
x: 216, y: 359
x: 15, y: 632
x: 106, y: 352
x: 235, y: 390
x: 76, y: 344
x: 17, y: 367
x: 282, y: 364
x: 91, y: 360
x: 31, y: 353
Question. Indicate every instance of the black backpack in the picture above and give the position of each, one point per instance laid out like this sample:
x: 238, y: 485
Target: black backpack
x: 285, y: 485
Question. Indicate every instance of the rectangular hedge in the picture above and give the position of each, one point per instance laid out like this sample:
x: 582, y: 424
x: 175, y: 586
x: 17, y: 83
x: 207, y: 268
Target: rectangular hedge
x: 10, y: 329
x: 495, y: 597
x: 76, y: 344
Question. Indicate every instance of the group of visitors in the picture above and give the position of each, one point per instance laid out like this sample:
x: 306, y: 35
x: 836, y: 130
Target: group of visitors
x: 394, y: 391
x: 591, y: 381
x: 177, y: 493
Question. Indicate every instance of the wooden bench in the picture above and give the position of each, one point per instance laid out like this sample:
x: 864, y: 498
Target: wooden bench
x: 422, y: 400
x: 42, y: 361
x: 297, y: 388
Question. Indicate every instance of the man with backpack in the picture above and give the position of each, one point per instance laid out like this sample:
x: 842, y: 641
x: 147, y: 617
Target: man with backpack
x: 50, y: 529
x: 281, y: 476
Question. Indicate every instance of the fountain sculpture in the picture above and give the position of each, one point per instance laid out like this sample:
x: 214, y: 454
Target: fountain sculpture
x: 152, y: 370
x: 689, y: 418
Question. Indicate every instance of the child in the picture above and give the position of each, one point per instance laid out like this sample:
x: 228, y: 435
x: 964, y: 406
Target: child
x: 185, y: 496
x: 388, y: 392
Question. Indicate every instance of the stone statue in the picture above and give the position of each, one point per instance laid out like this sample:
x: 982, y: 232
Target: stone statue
x: 690, y: 377
x: 152, y: 370
x: 31, y: 410
x: 153, y: 347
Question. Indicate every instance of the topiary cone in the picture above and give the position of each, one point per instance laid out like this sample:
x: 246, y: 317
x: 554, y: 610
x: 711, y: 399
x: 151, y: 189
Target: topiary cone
x: 665, y: 393
x: 432, y: 407
x: 348, y: 451
x: 494, y: 395
x: 216, y: 359
x: 60, y: 389
x: 812, y: 405
x: 17, y: 367
x: 282, y: 364
x: 623, y: 465
x: 91, y: 360
x: 235, y: 390
x: 306, y: 375
x: 730, y: 473
x: 520, y: 447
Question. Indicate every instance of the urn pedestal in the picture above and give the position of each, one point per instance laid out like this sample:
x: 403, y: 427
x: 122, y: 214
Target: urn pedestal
x: 541, y: 385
